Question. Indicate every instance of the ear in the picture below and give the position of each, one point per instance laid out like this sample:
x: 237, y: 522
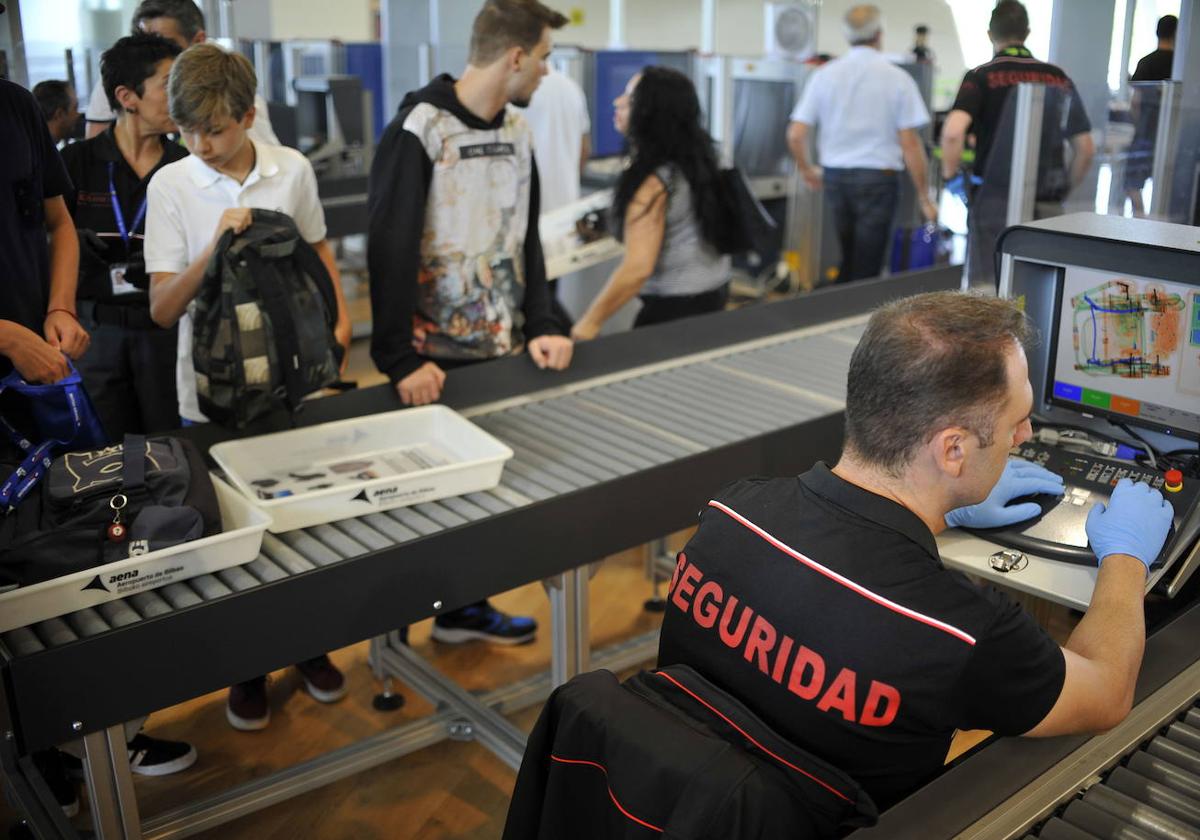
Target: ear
x: 513, y: 60
x: 248, y: 119
x: 127, y: 98
x: 948, y: 449
x: 200, y: 37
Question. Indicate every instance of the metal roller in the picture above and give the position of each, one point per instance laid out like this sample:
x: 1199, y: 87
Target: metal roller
x: 209, y: 588
x: 1102, y: 824
x: 1138, y: 813
x: 238, y: 578
x: 118, y: 613
x: 1156, y: 795
x: 1158, y: 770
x: 149, y: 604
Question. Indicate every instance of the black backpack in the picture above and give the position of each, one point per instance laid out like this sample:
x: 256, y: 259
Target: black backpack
x: 164, y: 497
x: 262, y: 328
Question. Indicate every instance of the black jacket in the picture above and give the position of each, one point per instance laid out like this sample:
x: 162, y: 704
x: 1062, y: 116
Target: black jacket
x: 669, y: 754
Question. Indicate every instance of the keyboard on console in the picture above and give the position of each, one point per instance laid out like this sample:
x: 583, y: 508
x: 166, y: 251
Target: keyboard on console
x: 1059, y: 532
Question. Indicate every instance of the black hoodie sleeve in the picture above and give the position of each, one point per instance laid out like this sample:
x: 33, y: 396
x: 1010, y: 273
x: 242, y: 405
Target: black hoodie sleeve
x: 396, y: 195
x: 539, y: 318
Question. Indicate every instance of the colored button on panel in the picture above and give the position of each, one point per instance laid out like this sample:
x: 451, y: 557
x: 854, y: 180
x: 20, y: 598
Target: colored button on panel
x: 1097, y: 398
x: 1174, y: 481
x: 1067, y: 391
x: 1125, y: 406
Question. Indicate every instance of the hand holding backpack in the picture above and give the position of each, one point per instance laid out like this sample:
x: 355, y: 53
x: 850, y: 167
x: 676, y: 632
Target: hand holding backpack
x: 262, y: 327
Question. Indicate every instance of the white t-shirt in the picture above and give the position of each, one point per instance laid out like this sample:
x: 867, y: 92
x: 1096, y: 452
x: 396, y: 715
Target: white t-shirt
x: 185, y: 201
x: 98, y: 110
x: 558, y: 115
x: 859, y: 103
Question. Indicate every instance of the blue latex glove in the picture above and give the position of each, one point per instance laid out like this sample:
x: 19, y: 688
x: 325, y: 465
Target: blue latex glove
x: 1020, y: 478
x: 1135, y: 522
x: 957, y: 186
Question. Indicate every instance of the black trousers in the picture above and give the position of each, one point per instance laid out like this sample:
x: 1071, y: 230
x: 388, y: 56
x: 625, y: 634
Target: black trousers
x: 129, y: 371
x: 658, y: 309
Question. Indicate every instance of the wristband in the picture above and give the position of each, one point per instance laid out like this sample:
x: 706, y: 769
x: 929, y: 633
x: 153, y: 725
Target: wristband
x: 50, y: 312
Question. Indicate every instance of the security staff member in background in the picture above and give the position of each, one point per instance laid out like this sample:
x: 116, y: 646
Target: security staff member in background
x: 821, y: 602
x: 182, y: 22
x: 1144, y: 107
x: 130, y: 371
x: 979, y: 108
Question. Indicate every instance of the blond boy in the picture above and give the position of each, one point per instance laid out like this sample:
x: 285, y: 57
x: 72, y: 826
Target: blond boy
x: 191, y: 203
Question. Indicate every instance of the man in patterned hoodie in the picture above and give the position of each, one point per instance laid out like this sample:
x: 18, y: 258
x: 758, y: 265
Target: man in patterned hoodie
x: 457, y: 275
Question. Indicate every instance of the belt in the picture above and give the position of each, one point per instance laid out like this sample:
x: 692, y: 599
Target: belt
x: 129, y: 317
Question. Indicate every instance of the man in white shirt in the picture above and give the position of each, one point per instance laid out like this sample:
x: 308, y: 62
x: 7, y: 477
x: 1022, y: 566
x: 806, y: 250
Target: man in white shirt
x: 558, y: 116
x: 868, y: 111
x: 182, y: 22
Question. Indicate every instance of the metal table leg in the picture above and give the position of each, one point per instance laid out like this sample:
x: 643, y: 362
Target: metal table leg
x: 570, y: 639
x: 110, y: 785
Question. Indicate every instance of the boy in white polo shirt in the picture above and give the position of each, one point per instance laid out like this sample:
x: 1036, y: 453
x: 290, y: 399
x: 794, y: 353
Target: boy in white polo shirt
x: 190, y: 204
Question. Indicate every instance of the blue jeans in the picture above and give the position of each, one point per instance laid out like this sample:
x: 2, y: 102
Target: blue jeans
x: 863, y: 202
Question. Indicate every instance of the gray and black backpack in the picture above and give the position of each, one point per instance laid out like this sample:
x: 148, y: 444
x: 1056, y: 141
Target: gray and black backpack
x: 263, y: 322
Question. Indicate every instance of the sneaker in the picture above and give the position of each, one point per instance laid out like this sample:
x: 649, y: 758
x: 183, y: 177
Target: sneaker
x: 247, y: 708
x: 157, y: 757
x: 485, y: 622
x: 50, y: 764
x: 322, y: 679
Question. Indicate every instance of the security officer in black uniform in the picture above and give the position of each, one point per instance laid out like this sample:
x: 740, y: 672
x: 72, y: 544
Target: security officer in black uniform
x: 130, y: 370
x: 822, y: 603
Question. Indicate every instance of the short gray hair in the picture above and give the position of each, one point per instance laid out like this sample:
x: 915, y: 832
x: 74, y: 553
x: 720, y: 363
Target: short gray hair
x: 862, y: 24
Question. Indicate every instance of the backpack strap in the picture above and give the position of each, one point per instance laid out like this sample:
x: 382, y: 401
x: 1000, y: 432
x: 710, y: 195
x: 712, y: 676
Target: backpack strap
x: 310, y: 263
x: 287, y: 344
x: 133, y: 466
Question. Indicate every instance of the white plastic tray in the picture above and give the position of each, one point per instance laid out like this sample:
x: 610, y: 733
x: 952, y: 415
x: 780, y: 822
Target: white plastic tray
x: 314, y: 464
x: 238, y: 543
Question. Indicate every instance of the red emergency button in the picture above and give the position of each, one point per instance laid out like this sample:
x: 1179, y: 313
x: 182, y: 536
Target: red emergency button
x: 1174, y: 479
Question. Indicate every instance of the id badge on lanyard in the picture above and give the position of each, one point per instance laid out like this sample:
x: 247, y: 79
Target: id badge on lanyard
x: 117, y: 271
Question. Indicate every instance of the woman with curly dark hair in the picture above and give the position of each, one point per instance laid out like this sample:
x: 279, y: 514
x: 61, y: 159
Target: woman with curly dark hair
x: 670, y: 208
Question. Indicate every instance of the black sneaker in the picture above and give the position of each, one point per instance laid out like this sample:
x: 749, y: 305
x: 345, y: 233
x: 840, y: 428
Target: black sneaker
x: 322, y: 679
x: 485, y: 622
x: 50, y: 764
x: 156, y: 757
x: 247, y: 708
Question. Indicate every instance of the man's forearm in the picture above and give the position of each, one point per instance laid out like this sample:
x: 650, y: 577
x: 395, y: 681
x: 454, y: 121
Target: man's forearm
x: 1113, y: 631
x: 797, y: 140
x: 918, y: 167
x: 1085, y: 150
x: 952, y: 151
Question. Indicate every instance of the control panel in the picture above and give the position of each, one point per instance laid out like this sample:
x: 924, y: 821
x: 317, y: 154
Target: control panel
x: 1059, y: 532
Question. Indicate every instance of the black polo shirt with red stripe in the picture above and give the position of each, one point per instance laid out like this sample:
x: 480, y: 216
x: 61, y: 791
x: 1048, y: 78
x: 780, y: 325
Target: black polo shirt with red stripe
x: 91, y: 207
x: 825, y: 609
x: 984, y: 92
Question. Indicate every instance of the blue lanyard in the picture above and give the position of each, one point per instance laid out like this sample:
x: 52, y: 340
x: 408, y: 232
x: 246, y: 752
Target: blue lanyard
x: 116, y: 205
x: 37, y: 458
x: 31, y: 470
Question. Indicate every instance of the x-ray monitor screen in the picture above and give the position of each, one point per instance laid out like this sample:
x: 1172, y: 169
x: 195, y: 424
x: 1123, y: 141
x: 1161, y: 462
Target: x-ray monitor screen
x: 1128, y: 348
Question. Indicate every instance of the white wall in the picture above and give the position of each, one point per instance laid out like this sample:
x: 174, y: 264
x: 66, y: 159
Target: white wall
x: 279, y: 20
x: 675, y: 25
